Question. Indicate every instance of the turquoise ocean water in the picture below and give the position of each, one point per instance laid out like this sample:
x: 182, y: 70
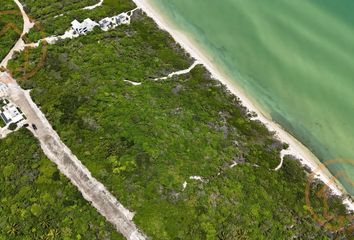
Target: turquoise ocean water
x: 295, y: 59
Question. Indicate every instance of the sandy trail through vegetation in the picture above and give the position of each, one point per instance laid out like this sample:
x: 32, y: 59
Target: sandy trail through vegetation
x: 20, y: 44
x: 181, y: 72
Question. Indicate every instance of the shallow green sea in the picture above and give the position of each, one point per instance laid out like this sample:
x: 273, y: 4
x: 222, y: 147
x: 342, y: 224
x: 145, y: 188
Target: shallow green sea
x: 295, y: 59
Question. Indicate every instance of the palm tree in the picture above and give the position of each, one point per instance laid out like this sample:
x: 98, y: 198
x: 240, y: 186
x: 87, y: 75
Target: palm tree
x: 53, y: 233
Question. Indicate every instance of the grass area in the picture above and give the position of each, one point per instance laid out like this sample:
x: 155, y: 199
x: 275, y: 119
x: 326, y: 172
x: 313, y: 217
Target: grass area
x: 2, y: 103
x: 37, y: 202
x: 143, y: 142
x: 2, y: 123
x: 55, y: 18
x: 8, y: 38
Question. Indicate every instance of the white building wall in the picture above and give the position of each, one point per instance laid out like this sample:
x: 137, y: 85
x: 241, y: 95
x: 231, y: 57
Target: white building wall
x: 3, y: 90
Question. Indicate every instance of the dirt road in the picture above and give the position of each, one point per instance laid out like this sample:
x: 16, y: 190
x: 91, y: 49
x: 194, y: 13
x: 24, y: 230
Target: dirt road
x: 92, y: 190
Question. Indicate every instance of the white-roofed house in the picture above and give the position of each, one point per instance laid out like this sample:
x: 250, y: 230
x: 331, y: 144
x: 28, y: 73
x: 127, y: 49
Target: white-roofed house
x: 112, y: 22
x: 11, y: 114
x: 82, y: 28
x: 105, y: 23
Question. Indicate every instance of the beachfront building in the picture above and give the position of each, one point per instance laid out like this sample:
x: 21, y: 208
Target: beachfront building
x: 10, y: 113
x: 112, y: 22
x: 105, y: 24
x: 3, y: 90
x: 82, y: 28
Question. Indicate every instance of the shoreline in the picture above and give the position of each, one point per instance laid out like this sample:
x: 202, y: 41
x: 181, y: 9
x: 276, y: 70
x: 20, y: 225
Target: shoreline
x: 296, y: 148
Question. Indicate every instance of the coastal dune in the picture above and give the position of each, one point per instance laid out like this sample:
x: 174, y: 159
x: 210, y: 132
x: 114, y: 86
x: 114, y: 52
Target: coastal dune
x: 296, y: 148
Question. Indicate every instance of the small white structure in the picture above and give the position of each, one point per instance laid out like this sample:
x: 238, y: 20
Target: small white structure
x: 11, y: 114
x: 3, y: 90
x: 184, y: 185
x: 82, y: 28
x: 197, y: 178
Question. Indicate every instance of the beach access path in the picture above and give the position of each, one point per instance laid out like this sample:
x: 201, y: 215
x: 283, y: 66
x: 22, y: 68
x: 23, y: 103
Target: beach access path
x: 296, y: 148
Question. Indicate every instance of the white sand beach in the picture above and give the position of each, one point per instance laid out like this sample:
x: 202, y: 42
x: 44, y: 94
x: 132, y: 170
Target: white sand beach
x: 296, y: 148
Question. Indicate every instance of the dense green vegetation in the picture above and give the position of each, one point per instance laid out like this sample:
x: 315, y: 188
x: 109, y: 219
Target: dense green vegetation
x: 9, y: 36
x: 37, y: 202
x: 143, y: 142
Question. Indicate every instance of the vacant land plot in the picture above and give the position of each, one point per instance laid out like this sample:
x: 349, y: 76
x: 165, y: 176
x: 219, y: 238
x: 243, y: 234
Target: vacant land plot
x: 37, y: 202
